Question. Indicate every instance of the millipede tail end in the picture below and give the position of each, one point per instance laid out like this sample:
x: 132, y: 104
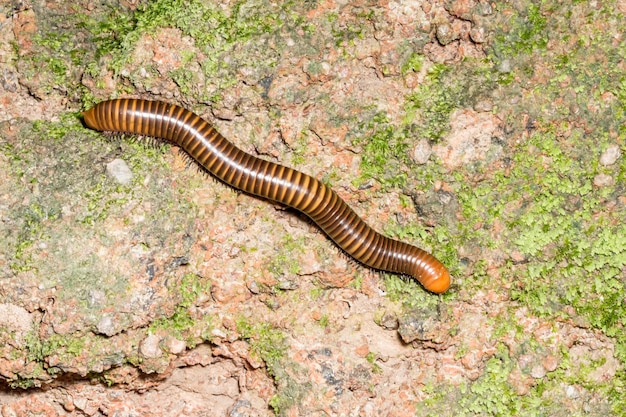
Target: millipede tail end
x: 90, y: 119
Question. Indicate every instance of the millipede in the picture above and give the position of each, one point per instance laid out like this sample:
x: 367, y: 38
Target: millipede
x: 271, y: 181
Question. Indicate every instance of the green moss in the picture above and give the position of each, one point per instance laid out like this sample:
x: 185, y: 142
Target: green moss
x: 102, y: 196
x: 414, y: 63
x: 371, y: 358
x: 117, y: 34
x: 286, y: 398
x: 64, y: 346
x: 384, y: 153
x: 491, y: 394
x: 54, y: 63
x: 331, y: 176
x: 286, y: 259
x: 541, y: 205
x: 386, y: 147
x: 270, y: 345
x: 357, y: 281
x: 433, y: 102
x: 574, y: 248
x: 574, y: 252
x: 300, y: 148
x: 316, y: 292
x: 182, y: 76
x: 267, y: 343
x: 34, y: 218
x: 57, y: 130
x: 528, y: 33
x: 554, y: 224
x: 346, y: 33
x: 582, y: 61
x: 32, y: 379
x: 180, y: 324
x: 106, y: 38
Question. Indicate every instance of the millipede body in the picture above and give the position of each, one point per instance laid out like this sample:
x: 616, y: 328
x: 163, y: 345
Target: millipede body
x: 271, y: 181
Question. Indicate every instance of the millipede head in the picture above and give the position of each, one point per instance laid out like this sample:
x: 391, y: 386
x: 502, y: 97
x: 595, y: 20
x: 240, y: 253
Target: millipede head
x: 433, y: 275
x: 440, y: 283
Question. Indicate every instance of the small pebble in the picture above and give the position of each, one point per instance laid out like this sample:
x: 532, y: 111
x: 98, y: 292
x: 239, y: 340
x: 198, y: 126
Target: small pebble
x: 483, y: 106
x: 149, y: 347
x: 602, y: 180
x: 389, y: 321
x: 538, y: 372
x: 572, y: 392
x: 505, y: 66
x: 106, y: 326
x: 610, y: 155
x: 119, y: 170
x: 478, y: 34
x: 445, y: 34
x: 421, y: 152
x: 176, y: 346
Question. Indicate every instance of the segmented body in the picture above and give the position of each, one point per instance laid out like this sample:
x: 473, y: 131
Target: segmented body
x: 269, y: 180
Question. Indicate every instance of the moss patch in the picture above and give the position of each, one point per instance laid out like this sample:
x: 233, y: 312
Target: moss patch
x: 270, y: 345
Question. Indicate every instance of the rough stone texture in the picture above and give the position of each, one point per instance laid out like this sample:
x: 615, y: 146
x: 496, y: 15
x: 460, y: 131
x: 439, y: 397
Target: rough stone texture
x: 470, y: 138
x: 95, y: 313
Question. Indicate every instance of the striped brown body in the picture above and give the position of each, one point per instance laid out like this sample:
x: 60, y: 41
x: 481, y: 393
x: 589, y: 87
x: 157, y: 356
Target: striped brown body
x: 269, y: 180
